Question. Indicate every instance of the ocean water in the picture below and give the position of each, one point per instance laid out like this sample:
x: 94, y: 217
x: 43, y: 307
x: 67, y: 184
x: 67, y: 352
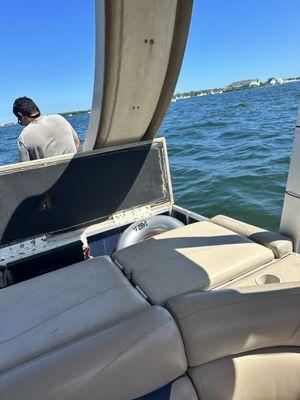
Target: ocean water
x: 229, y: 153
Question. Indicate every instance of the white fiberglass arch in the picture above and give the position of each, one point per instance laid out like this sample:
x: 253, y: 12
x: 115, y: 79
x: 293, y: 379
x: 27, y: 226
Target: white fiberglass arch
x: 139, y: 51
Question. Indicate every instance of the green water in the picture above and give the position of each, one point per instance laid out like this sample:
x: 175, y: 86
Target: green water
x: 229, y: 153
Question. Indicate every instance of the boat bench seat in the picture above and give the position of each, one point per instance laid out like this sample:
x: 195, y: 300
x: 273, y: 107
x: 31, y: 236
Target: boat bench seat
x: 83, y: 332
x: 242, y: 344
x: 279, y: 244
x: 285, y: 270
x: 195, y: 257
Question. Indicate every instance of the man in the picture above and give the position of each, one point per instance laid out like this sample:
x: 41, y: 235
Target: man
x: 43, y: 135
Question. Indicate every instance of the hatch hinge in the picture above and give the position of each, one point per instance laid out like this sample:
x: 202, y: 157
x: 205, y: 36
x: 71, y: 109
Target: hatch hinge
x: 129, y: 216
x: 23, y: 249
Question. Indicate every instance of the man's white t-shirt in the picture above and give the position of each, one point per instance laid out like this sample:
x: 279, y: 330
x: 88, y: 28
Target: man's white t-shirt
x: 47, y: 136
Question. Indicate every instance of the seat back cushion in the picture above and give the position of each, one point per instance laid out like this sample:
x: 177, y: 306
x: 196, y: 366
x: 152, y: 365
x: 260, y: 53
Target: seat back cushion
x: 279, y: 244
x: 122, y: 362
x: 198, y: 256
x: 250, y: 377
x: 230, y: 322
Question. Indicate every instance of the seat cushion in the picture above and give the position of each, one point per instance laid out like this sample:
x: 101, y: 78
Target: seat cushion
x: 121, y: 362
x: 183, y: 389
x: 199, y: 256
x: 180, y: 389
x: 279, y: 244
x: 222, y: 323
x: 285, y: 270
x: 251, y: 377
x: 49, y: 311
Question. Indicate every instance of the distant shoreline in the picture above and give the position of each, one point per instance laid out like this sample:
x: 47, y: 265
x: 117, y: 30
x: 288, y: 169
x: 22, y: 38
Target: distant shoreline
x: 71, y: 113
x: 196, y: 93
x: 240, y: 85
x: 64, y: 114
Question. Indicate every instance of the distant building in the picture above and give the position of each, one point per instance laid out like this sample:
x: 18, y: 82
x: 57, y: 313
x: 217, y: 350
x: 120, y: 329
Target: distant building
x: 243, y: 84
x: 274, y: 81
x: 255, y: 84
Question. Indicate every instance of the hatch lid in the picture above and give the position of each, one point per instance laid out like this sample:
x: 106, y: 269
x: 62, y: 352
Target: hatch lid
x: 64, y: 193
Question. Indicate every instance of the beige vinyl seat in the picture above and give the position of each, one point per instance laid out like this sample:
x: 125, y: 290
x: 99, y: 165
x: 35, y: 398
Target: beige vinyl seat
x: 83, y: 332
x: 284, y: 270
x: 286, y: 266
x: 280, y: 245
x: 199, y: 256
x: 242, y: 344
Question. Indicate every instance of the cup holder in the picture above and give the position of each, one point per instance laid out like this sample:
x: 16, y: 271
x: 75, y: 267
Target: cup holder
x: 266, y: 279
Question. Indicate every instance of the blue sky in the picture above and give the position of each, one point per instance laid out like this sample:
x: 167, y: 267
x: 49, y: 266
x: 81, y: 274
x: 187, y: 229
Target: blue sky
x: 239, y: 39
x: 47, y: 48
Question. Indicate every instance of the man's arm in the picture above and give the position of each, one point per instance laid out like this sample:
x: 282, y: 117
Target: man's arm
x: 23, y: 152
x: 75, y: 137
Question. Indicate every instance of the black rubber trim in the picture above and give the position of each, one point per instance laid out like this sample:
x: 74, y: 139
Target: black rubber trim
x: 297, y: 196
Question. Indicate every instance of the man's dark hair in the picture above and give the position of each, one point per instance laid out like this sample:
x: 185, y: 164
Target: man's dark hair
x: 25, y: 106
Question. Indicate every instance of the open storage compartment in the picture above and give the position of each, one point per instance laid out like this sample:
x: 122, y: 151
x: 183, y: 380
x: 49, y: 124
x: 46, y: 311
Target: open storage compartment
x: 49, y: 205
